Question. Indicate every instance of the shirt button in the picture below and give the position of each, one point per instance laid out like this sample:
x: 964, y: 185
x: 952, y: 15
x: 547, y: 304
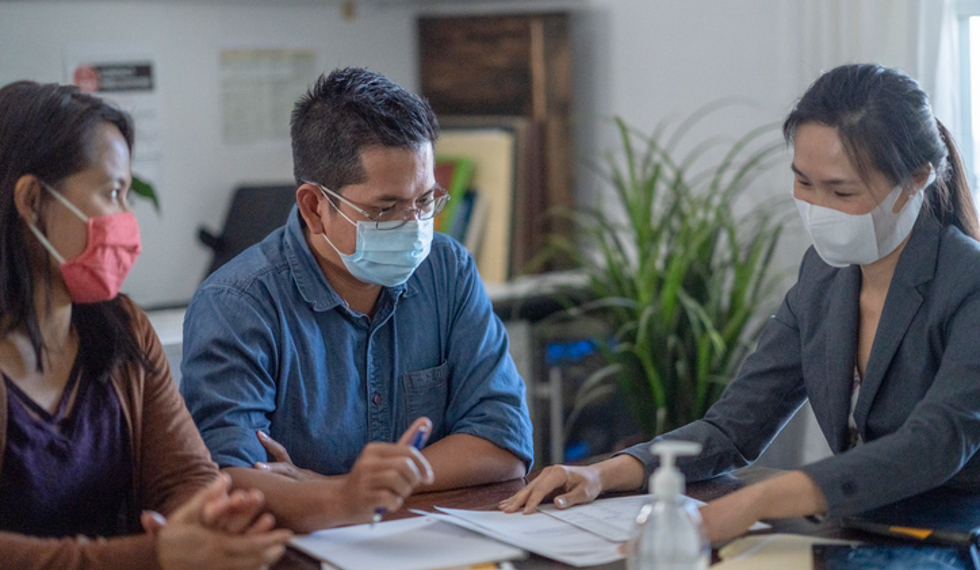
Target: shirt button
x: 376, y: 400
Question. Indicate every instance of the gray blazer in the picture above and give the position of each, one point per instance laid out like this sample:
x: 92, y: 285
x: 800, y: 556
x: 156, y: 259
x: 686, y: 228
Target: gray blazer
x: 918, y: 411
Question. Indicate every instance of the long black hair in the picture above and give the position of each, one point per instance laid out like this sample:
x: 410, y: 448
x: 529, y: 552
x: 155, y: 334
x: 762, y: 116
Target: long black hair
x: 46, y: 131
x: 884, y: 121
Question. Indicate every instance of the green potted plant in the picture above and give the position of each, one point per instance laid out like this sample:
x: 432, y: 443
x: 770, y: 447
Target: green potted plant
x: 677, y: 278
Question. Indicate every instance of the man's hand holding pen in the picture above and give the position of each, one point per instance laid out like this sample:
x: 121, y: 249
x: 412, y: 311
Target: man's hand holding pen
x: 383, y: 476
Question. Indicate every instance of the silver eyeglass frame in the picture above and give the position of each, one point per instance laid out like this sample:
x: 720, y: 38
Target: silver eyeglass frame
x: 438, y: 203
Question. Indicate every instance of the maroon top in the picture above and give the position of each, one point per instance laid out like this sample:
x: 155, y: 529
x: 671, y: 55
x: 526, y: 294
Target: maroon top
x: 66, y: 474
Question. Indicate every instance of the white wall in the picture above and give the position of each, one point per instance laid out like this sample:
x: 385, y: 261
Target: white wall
x: 198, y: 170
x: 646, y: 60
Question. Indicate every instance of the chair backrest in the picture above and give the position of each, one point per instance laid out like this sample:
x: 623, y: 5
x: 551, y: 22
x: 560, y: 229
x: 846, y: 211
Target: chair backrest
x: 255, y: 211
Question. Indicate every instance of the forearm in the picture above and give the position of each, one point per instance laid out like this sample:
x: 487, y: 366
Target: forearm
x: 621, y: 473
x: 302, y: 506
x: 793, y: 494
x: 462, y: 460
x: 137, y: 552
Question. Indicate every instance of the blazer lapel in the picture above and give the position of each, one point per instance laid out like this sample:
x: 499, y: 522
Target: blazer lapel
x: 840, y: 334
x: 916, y: 265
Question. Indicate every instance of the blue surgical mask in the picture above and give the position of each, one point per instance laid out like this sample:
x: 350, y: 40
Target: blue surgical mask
x: 387, y: 256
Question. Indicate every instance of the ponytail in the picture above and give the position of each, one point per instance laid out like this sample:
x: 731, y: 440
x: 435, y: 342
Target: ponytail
x: 955, y: 201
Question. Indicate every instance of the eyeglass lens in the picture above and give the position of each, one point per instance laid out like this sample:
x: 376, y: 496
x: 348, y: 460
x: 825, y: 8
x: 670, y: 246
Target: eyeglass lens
x: 424, y: 212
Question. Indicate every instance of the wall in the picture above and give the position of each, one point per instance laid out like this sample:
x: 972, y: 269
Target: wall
x: 646, y: 60
x: 198, y: 170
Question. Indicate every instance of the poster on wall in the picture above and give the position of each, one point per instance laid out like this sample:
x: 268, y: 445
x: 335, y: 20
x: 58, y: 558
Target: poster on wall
x: 126, y: 76
x: 258, y: 90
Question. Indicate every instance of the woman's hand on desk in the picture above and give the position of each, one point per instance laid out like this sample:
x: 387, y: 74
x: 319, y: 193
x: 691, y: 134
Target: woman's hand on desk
x: 579, y: 484
x: 216, y: 529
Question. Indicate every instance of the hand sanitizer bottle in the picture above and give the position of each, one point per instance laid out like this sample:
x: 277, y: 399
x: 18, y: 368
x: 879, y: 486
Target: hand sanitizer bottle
x: 669, y: 533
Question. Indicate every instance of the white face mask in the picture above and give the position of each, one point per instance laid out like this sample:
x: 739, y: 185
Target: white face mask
x: 846, y: 239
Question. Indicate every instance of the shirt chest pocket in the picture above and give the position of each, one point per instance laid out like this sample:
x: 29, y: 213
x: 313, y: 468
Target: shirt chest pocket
x: 428, y: 395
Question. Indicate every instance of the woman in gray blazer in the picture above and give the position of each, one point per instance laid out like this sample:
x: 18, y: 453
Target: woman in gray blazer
x: 880, y: 333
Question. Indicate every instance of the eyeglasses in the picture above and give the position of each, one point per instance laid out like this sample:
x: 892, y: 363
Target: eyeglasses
x: 425, y: 208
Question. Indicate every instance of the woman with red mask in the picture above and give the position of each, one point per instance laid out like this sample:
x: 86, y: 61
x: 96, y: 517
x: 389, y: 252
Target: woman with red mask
x: 100, y: 463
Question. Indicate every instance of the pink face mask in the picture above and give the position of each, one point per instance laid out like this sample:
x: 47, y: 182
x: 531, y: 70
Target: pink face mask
x: 110, y: 251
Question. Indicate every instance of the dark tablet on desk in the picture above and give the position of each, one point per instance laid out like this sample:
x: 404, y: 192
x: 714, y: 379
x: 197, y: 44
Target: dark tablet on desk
x: 904, y: 557
x: 941, y: 516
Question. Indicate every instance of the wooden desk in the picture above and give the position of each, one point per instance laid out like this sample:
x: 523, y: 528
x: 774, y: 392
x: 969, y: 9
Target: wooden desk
x: 487, y: 497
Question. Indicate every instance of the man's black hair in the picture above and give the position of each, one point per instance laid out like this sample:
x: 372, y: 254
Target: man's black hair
x: 344, y: 113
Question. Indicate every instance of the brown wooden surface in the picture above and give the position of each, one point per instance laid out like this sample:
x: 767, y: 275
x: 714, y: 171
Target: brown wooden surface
x: 487, y: 497
x: 516, y: 65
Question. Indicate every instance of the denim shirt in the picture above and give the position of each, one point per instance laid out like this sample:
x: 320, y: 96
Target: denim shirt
x: 269, y: 346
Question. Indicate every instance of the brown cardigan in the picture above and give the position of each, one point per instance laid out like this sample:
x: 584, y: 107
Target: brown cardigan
x: 170, y: 463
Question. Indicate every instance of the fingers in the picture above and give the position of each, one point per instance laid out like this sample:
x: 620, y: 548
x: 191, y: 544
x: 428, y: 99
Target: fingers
x: 422, y: 466
x: 421, y: 426
x: 281, y: 468
x: 187, y: 547
x: 416, y: 437
x: 264, y: 523
x: 264, y: 548
x: 574, y: 497
x: 234, y: 513
x: 256, y: 550
x: 152, y: 521
x: 530, y: 496
x: 382, y: 477
x: 406, y: 460
x: 192, y: 510
x: 391, y: 469
x: 513, y: 503
x: 551, y: 479
x: 273, y: 447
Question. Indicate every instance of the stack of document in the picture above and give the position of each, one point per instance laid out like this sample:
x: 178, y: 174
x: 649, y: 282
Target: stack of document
x: 417, y: 543
x: 584, y: 535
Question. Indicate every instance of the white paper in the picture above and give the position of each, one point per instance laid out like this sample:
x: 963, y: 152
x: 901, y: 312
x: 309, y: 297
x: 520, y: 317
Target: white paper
x: 259, y: 87
x: 539, y: 533
x: 612, y: 519
x: 417, y: 543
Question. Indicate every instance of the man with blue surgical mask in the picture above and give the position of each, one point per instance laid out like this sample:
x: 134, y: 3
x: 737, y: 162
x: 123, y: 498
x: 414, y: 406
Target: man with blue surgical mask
x: 314, y: 358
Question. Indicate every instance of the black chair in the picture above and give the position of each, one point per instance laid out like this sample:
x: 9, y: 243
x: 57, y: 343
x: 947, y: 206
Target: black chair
x: 254, y: 212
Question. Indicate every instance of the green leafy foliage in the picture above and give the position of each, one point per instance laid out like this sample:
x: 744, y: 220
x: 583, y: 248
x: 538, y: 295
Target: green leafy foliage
x: 144, y: 189
x: 676, y: 275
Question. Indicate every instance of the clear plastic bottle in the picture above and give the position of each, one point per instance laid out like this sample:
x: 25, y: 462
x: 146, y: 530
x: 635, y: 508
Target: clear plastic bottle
x: 669, y: 533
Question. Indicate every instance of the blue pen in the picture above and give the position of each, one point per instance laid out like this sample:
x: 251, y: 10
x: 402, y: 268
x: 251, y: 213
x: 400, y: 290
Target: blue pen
x: 417, y: 442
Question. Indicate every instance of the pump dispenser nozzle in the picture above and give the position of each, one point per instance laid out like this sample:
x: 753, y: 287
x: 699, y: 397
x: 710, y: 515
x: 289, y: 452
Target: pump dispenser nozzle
x: 667, y: 480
